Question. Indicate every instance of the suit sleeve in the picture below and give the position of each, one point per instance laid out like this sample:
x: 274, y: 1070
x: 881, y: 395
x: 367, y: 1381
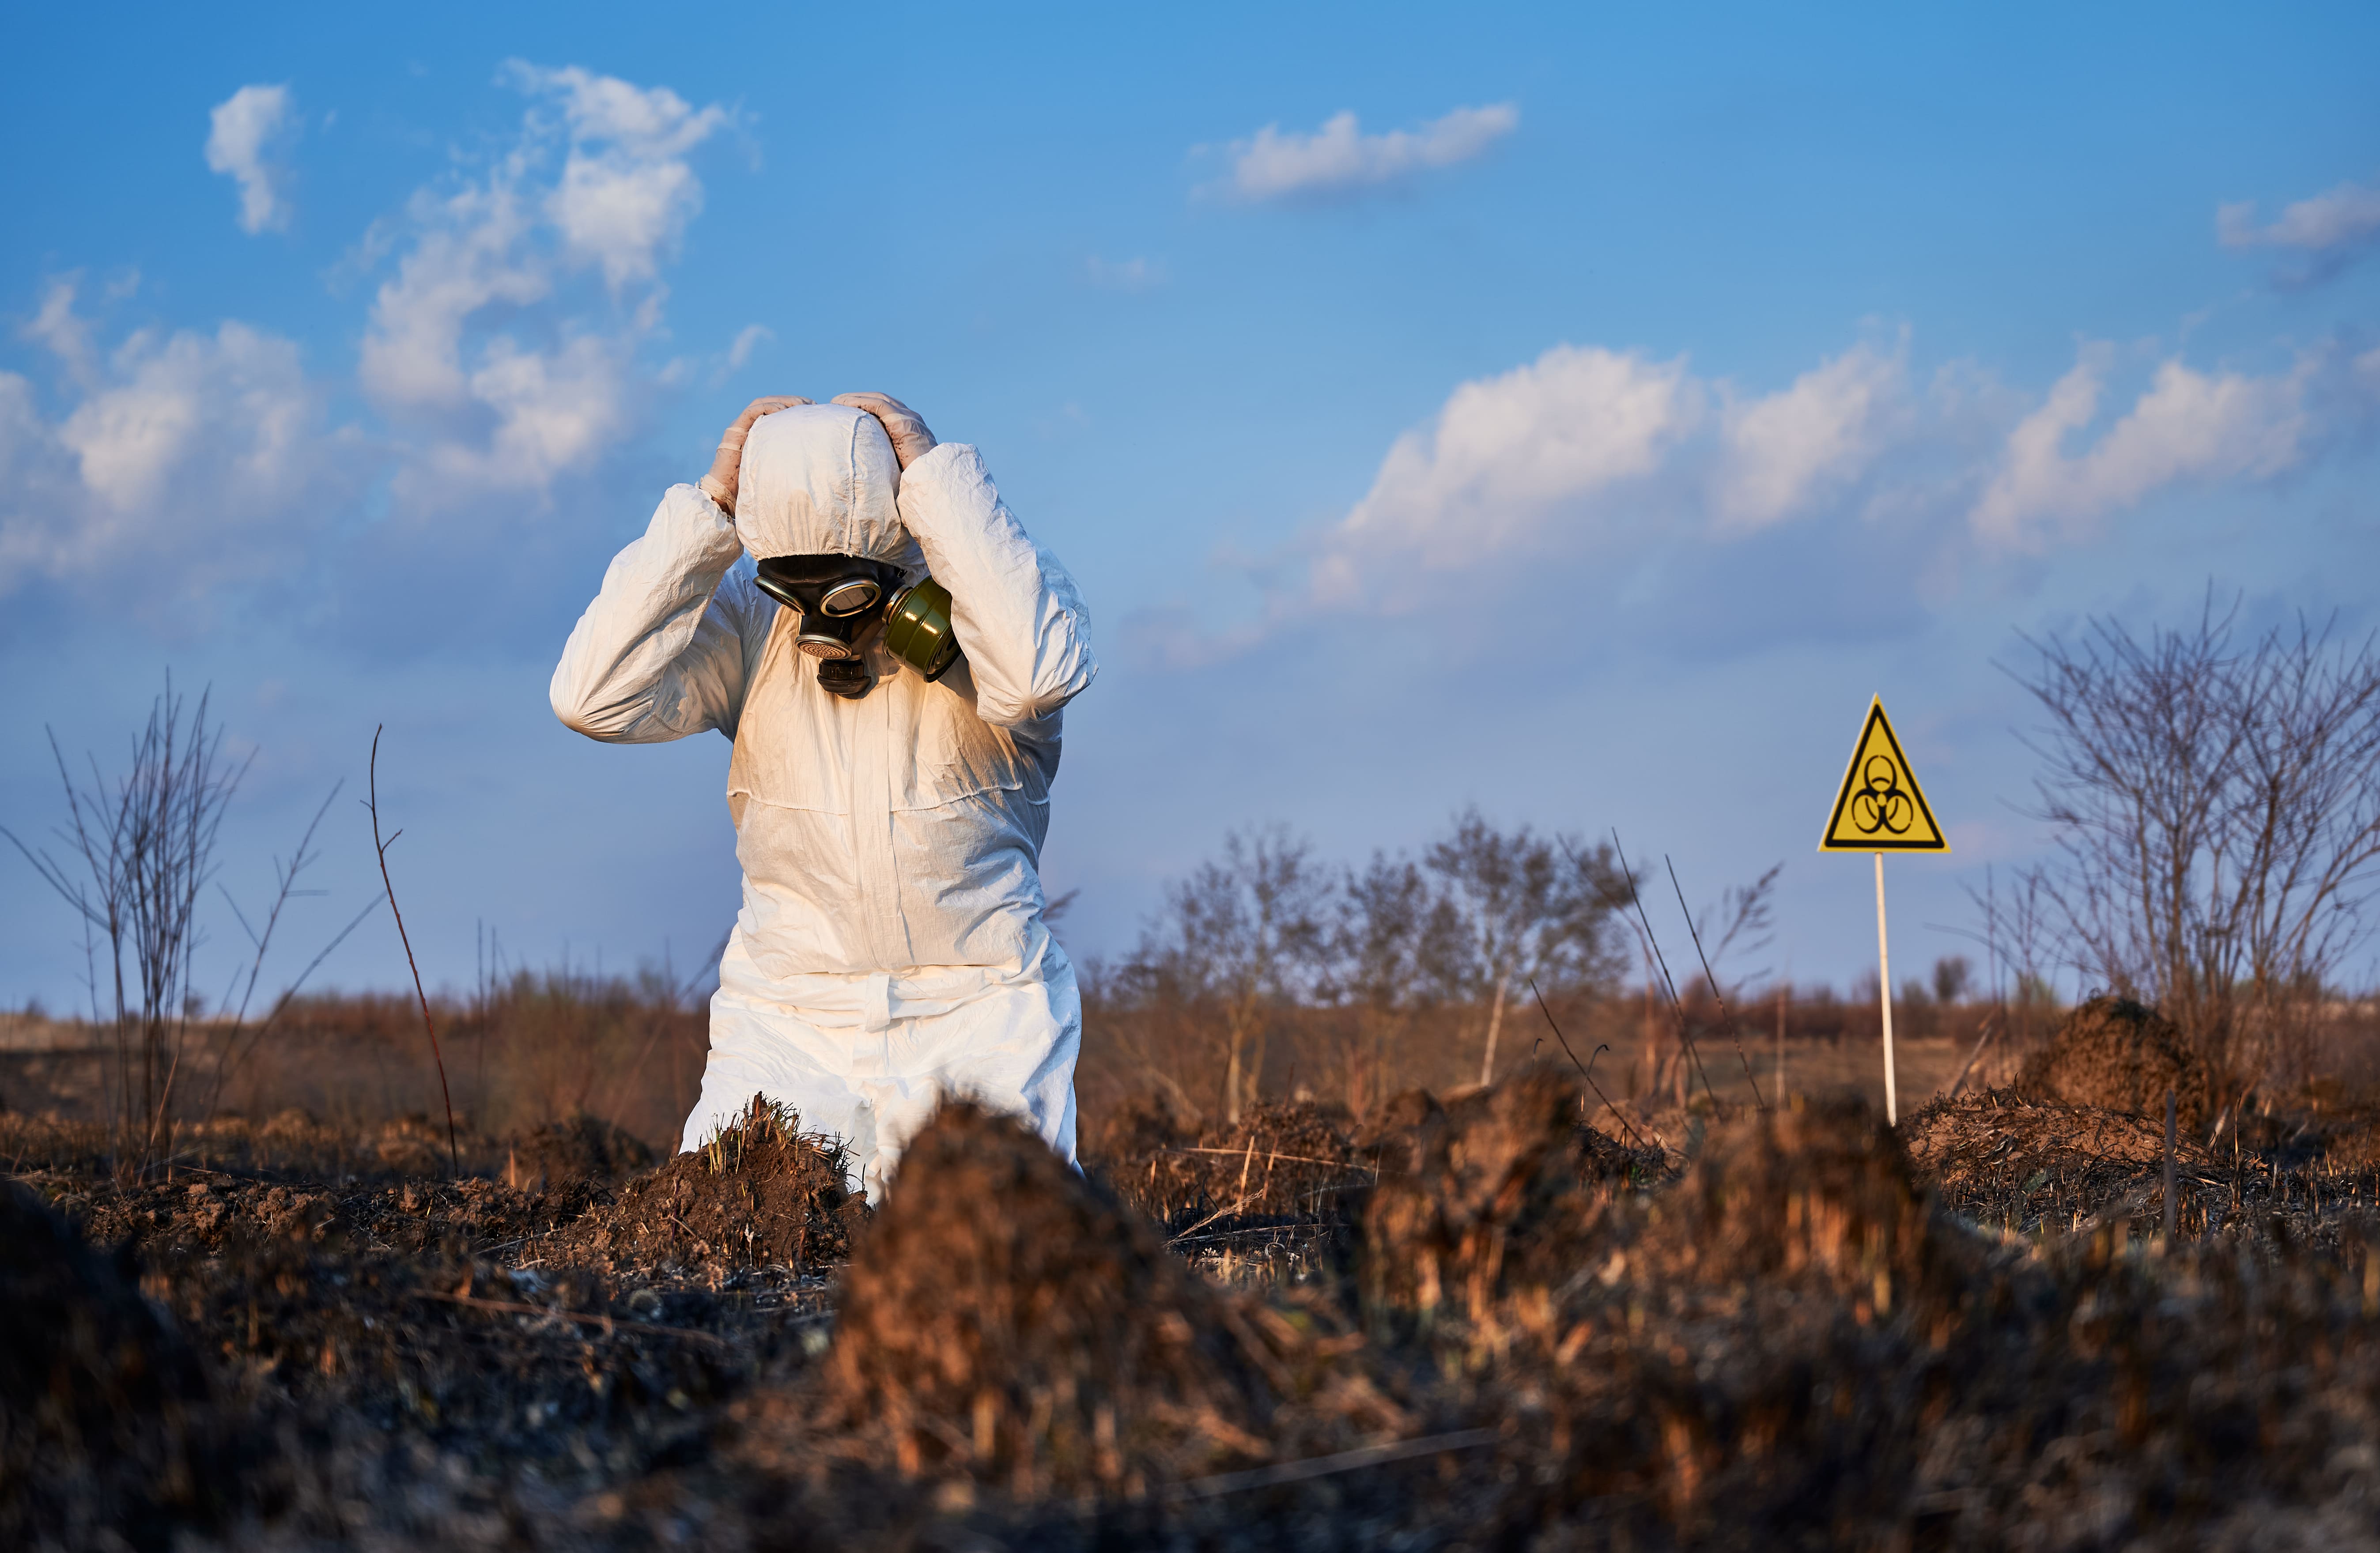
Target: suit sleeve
x: 661, y: 654
x: 1014, y: 610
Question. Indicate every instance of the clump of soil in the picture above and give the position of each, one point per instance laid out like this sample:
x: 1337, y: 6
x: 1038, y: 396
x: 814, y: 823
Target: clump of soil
x: 2119, y: 1055
x: 1283, y: 1158
x: 2002, y: 1158
x: 1481, y: 1195
x: 104, y: 1414
x: 1006, y: 1320
x: 1819, y: 1192
x: 760, y: 1194
x: 581, y: 1151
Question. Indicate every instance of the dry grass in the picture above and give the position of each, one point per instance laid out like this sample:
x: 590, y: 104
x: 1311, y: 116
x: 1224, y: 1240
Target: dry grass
x: 1486, y: 1316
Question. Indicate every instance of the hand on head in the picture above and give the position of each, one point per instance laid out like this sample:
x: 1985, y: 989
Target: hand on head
x: 720, y: 484
x: 911, y: 439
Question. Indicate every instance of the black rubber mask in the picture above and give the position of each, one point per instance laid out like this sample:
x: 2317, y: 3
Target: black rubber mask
x: 842, y: 602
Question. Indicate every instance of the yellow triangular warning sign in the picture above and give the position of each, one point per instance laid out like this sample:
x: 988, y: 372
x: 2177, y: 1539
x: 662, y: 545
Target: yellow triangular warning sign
x: 1881, y: 808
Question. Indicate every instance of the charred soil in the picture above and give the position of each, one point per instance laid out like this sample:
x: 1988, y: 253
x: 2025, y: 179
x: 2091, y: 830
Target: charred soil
x: 1470, y: 1321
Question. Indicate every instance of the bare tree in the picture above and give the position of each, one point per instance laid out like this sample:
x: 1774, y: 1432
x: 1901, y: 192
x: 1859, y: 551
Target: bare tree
x: 1245, y: 934
x: 1523, y: 907
x: 142, y: 854
x: 2216, y: 805
x: 1387, y: 960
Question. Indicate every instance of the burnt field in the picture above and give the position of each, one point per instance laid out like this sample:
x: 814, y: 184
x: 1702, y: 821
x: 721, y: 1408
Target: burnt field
x: 1512, y: 1317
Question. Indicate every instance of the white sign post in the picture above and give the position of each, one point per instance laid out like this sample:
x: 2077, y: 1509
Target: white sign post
x: 1880, y: 809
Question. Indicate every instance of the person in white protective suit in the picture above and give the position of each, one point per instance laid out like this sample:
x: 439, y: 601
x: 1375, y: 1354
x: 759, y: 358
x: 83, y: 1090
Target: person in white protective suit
x: 891, y: 948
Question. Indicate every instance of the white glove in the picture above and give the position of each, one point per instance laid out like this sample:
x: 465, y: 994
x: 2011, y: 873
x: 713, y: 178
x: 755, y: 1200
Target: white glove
x: 911, y: 440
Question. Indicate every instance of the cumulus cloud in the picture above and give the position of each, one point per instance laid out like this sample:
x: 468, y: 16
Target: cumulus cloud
x: 2188, y: 426
x: 626, y: 192
x: 1616, y: 470
x: 472, y: 343
x: 198, y: 458
x: 504, y: 351
x: 1778, y: 451
x: 1507, y: 464
x: 1340, y: 157
x: 248, y: 130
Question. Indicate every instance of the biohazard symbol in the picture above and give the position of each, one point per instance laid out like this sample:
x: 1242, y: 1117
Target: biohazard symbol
x: 1880, y: 808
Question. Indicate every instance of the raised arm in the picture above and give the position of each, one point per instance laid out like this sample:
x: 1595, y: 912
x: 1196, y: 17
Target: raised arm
x: 666, y: 647
x: 1014, y: 610
x: 661, y: 654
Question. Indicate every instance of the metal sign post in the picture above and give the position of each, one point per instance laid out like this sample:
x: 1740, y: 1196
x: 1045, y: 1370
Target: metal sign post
x: 1880, y: 809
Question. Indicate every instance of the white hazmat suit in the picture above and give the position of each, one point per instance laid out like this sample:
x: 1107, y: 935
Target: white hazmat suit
x: 890, y: 947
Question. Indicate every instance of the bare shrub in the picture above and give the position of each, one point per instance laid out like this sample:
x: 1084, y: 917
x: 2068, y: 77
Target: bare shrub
x: 2216, y: 801
x: 1364, y: 982
x: 142, y: 854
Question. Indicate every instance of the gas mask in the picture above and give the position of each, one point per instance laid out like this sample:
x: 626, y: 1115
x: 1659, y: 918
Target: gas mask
x: 846, y: 603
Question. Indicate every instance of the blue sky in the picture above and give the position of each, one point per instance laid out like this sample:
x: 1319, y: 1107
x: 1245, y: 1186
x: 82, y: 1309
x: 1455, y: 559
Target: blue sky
x: 1579, y: 412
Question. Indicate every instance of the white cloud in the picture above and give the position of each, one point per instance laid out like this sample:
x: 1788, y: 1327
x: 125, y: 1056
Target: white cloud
x: 194, y: 459
x: 1780, y: 451
x: 472, y: 343
x: 2346, y: 216
x: 625, y: 193
x: 2188, y: 426
x: 1612, y: 470
x: 249, y: 128
x: 64, y: 332
x: 747, y: 339
x: 1507, y: 464
x: 1340, y: 157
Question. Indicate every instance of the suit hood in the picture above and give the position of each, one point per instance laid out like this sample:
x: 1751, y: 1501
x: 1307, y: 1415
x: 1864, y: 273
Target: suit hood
x: 822, y: 480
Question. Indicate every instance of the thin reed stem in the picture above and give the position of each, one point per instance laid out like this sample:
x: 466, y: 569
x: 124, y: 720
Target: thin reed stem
x: 1711, y: 977
x: 380, y: 848
x: 1669, y: 982
x: 1583, y: 1071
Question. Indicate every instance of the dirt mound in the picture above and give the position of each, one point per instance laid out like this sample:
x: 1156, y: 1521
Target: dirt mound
x: 1817, y: 1192
x: 760, y: 1194
x: 1141, y: 1125
x: 1283, y: 1158
x: 2119, y: 1055
x: 2003, y: 1157
x: 576, y: 1151
x: 1479, y: 1195
x: 104, y: 1414
x: 1006, y: 1320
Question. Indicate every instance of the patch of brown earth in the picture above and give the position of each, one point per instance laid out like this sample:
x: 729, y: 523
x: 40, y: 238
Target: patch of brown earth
x: 1495, y: 1190
x: 2119, y: 1055
x: 106, y: 1431
x: 2004, y: 1158
x: 1283, y: 1158
x: 1004, y: 1321
x: 581, y: 1151
x: 1819, y: 1191
x: 760, y: 1194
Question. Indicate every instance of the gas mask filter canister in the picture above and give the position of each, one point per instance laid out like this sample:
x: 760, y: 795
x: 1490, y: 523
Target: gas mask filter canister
x: 845, y: 601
